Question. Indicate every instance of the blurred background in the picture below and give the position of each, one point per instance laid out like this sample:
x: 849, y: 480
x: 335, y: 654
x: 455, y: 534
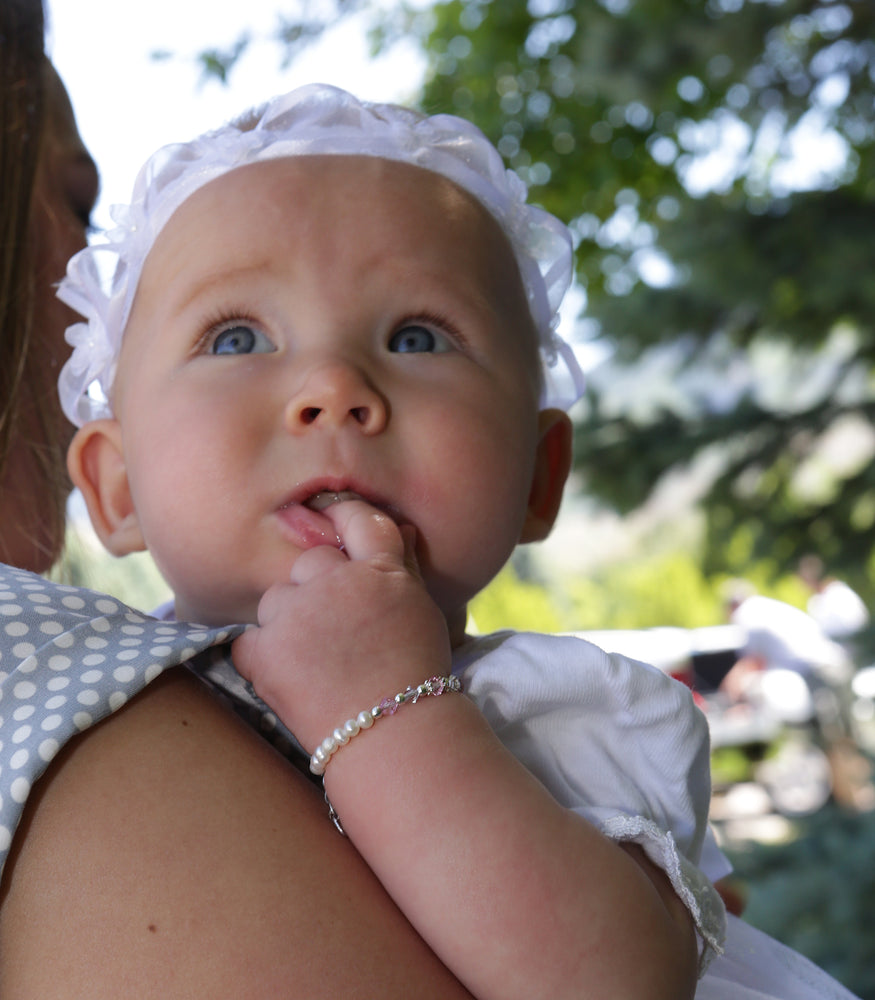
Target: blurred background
x: 714, y: 159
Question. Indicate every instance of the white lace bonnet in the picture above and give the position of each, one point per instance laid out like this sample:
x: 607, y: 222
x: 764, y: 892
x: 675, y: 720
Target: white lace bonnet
x: 313, y: 120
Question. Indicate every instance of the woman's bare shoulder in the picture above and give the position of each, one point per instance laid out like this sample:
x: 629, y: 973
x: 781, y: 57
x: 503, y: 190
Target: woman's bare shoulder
x: 171, y: 852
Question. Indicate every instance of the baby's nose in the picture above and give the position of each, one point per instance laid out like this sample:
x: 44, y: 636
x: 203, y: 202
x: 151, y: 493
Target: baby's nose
x: 334, y: 395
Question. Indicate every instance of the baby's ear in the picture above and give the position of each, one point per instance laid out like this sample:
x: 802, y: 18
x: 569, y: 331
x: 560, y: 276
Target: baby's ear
x: 96, y: 463
x: 552, y: 465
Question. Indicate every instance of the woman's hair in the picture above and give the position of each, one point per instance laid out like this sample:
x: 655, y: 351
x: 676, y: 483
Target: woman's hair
x: 23, y: 78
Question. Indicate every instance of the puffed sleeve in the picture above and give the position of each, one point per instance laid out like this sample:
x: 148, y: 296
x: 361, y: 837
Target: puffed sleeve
x: 615, y: 740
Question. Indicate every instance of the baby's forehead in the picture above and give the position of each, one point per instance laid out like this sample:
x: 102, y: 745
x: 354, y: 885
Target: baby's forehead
x: 311, y: 185
x: 340, y: 207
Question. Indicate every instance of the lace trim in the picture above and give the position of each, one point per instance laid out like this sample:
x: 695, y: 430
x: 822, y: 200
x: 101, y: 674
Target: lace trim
x: 695, y: 890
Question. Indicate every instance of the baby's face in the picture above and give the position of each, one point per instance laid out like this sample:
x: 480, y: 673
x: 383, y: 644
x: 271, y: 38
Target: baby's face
x: 319, y: 327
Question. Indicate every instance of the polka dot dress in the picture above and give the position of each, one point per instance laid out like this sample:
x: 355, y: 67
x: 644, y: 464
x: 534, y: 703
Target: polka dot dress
x: 70, y: 657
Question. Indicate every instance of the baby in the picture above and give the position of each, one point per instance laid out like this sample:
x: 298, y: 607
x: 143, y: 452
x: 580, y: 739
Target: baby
x: 326, y: 392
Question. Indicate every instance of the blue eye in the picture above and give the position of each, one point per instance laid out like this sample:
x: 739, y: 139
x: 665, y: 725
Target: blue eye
x: 416, y: 339
x: 241, y: 339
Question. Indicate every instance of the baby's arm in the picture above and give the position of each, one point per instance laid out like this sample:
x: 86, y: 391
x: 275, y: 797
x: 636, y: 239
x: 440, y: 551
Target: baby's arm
x: 517, y: 895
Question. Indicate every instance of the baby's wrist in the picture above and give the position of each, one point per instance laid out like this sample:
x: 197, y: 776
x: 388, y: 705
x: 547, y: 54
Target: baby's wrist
x: 432, y: 687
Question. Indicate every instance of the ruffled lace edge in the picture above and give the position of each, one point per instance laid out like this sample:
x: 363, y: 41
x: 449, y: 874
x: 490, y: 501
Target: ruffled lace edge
x: 692, y: 886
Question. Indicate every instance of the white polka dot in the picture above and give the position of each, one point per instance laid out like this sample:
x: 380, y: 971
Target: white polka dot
x: 91, y: 676
x: 64, y: 641
x: 106, y: 607
x: 5, y: 838
x: 48, y: 749
x: 124, y: 675
x: 100, y: 625
x: 23, y: 713
x: 88, y: 697
x: 59, y: 662
x: 24, y: 690
x: 58, y: 683
x: 152, y: 671
x: 132, y: 616
x: 10, y: 609
x: 51, y: 628
x: 39, y: 598
x: 196, y: 636
x: 30, y: 584
x: 23, y: 649
x: 117, y: 699
x: 133, y: 629
x: 21, y: 734
x: 28, y: 665
x: 18, y: 760
x: 127, y: 654
x: 72, y: 601
x: 131, y: 643
x: 187, y: 654
x: 43, y: 609
x: 50, y: 723
x: 16, y: 629
x: 95, y: 642
x: 160, y: 650
x: 82, y: 720
x: 93, y: 660
x: 20, y: 789
x: 166, y: 630
x: 56, y: 701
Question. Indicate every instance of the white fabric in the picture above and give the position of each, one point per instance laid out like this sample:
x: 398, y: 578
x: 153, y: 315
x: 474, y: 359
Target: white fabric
x: 312, y: 120
x: 616, y: 741
x: 624, y: 746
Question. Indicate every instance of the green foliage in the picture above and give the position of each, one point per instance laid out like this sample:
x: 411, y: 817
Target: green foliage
x: 509, y: 602
x: 667, y: 589
x: 739, y: 321
x: 134, y: 579
x: 817, y: 894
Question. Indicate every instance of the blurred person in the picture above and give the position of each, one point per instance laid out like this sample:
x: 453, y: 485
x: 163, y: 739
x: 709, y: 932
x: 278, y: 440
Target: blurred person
x: 836, y: 607
x: 777, y: 636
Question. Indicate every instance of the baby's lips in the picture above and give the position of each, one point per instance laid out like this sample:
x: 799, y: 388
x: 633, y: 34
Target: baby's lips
x: 307, y: 527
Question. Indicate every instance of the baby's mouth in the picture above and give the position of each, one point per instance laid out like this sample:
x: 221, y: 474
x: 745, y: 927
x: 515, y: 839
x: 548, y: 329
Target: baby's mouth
x: 327, y: 498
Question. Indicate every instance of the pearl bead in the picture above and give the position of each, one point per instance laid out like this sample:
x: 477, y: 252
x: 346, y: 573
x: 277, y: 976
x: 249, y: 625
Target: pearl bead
x: 329, y: 745
x: 340, y: 736
x: 365, y: 720
x: 351, y: 728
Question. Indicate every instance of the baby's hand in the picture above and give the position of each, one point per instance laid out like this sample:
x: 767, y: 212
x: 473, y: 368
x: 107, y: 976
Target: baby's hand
x: 351, y: 627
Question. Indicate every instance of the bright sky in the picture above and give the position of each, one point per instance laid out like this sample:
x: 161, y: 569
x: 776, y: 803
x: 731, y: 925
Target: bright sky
x: 127, y: 104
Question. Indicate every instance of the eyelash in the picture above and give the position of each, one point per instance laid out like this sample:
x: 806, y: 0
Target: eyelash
x: 218, y: 321
x: 221, y: 318
x: 435, y: 319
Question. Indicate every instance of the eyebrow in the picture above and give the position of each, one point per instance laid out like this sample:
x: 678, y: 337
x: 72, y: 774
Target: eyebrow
x: 205, y: 285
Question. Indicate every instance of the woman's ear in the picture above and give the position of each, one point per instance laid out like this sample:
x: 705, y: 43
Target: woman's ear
x: 552, y: 465
x: 96, y: 463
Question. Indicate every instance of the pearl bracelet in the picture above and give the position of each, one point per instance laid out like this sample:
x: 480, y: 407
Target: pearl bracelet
x: 434, y: 687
